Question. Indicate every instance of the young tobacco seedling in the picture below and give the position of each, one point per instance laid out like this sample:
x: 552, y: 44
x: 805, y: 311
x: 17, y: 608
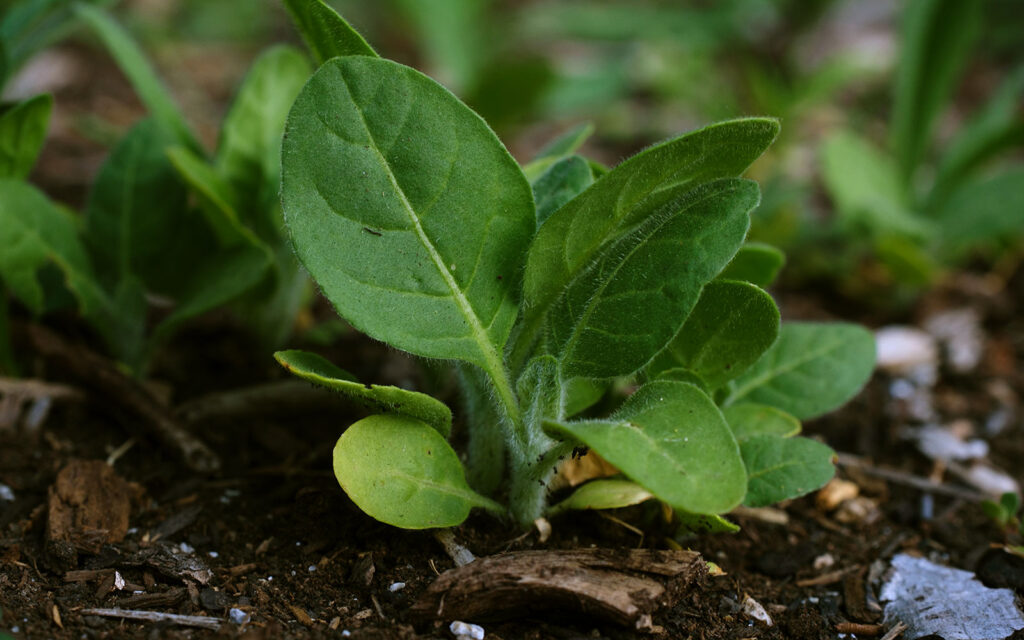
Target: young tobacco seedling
x: 424, y: 233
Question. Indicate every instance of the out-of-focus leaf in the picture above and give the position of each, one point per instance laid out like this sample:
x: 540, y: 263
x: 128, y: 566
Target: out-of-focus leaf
x: 983, y: 210
x: 756, y: 263
x: 22, y: 132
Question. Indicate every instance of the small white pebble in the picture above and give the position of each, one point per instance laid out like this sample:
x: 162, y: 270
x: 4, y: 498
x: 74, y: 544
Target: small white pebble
x: 298, y: 544
x: 345, y: 633
x: 186, y: 547
x: 293, y: 572
x: 753, y: 609
x: 312, y: 568
x: 396, y: 586
x: 466, y: 631
x: 6, y: 493
x: 118, y: 581
x: 213, y: 554
x: 238, y: 616
x: 270, y: 578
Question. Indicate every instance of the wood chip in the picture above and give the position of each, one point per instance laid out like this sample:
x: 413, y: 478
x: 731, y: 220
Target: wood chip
x: 89, y: 505
x: 55, y: 614
x: 622, y: 587
x: 203, y: 622
x: 301, y: 615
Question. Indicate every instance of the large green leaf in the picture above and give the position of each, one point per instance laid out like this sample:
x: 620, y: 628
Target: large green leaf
x: 325, y: 32
x: 810, y: 370
x: 982, y: 211
x: 402, y: 472
x: 34, y: 233
x: 406, y: 209
x: 731, y: 326
x: 782, y: 468
x: 615, y: 316
x: 576, y: 234
x: 560, y: 183
x: 865, y: 185
x: 386, y: 399
x: 249, y: 152
x: 749, y: 419
x: 756, y: 263
x: 22, y: 132
x: 132, y: 61
x: 135, y: 212
x: 671, y: 439
x: 937, y: 39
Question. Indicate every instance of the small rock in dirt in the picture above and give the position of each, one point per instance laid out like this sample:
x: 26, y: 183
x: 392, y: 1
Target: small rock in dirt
x: 238, y: 616
x: 905, y: 350
x: 396, y: 586
x: 362, y: 571
x: 990, y: 480
x: 466, y: 631
x: 998, y: 569
x: 6, y: 493
x: 835, y: 493
x: 756, y: 611
x: 959, y: 331
x: 213, y: 600
x: 947, y: 443
x: 860, y: 510
x: 824, y: 561
x: 933, y: 599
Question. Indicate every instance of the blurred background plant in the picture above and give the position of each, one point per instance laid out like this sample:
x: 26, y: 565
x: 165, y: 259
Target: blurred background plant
x: 900, y: 160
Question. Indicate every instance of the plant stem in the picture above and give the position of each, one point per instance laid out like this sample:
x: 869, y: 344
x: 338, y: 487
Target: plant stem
x: 532, y: 469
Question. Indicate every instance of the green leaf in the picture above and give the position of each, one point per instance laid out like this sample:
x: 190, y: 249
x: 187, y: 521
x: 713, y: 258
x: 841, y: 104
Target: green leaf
x: 684, y: 375
x: 325, y: 32
x: 810, y: 370
x: 486, y: 445
x: 999, y: 126
x: 700, y: 524
x: 570, y: 240
x: 865, y: 186
x: 983, y: 210
x: 583, y: 393
x: 611, y: 493
x: 937, y: 40
x: 671, y: 439
x: 782, y: 468
x: 249, y: 152
x: 218, y: 201
x: 406, y: 209
x: 132, y: 61
x: 387, y: 399
x: 22, y: 133
x: 731, y: 326
x: 452, y: 34
x: 560, y: 148
x: 35, y: 233
x: 756, y: 263
x: 135, y: 212
x: 749, y: 419
x: 615, y: 316
x: 402, y: 472
x: 562, y: 182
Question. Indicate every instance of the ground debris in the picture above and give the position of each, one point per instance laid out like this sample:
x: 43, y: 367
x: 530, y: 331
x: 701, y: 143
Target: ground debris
x: 89, y: 505
x: 204, y: 622
x: 620, y: 586
x: 933, y: 599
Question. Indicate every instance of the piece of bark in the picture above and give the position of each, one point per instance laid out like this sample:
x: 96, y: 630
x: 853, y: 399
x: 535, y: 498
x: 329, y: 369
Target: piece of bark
x: 172, y: 562
x: 169, y: 598
x: 89, y: 505
x: 122, y: 393
x: 622, y: 587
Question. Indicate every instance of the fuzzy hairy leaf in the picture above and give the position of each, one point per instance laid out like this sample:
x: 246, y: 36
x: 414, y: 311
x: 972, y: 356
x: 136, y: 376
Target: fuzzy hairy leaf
x: 810, y: 370
x: 749, y: 419
x: 671, y: 439
x: 22, y: 132
x: 560, y: 148
x: 402, y: 472
x: 406, y: 209
x: 626, y: 307
x: 383, y: 398
x: 732, y: 324
x: 574, y: 236
x: 325, y: 32
x: 756, y: 263
x: 560, y: 183
x: 782, y: 468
